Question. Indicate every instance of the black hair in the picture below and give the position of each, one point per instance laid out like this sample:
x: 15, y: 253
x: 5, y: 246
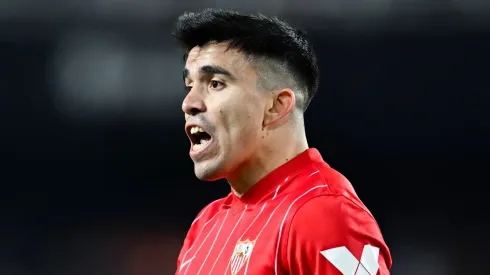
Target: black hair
x: 257, y: 36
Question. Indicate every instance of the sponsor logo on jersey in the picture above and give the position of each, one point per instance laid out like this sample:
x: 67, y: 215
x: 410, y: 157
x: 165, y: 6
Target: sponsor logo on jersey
x: 348, y: 264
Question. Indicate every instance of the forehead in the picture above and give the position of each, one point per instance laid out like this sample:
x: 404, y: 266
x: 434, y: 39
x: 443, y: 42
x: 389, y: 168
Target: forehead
x: 217, y: 54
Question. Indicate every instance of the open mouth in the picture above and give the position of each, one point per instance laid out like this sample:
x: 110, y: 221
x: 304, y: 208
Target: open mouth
x: 199, y: 138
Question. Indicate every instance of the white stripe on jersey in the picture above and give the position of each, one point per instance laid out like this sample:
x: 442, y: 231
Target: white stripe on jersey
x: 199, y: 235
x: 197, y: 251
x: 284, y: 220
x: 214, y: 241
x: 271, y: 215
x: 226, y: 269
x: 231, y: 233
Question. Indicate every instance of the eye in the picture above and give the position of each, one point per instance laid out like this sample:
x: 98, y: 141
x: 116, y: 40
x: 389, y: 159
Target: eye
x: 216, y: 84
x: 188, y: 89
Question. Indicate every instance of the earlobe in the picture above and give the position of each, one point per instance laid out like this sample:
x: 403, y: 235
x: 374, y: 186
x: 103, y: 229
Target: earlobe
x: 282, y: 103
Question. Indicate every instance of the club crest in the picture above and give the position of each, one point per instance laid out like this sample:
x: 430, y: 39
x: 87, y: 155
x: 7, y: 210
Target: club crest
x: 241, y: 254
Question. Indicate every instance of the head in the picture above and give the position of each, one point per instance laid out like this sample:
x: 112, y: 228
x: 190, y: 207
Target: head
x: 248, y: 81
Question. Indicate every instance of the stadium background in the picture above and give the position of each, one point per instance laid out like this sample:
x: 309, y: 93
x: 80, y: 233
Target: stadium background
x: 95, y: 172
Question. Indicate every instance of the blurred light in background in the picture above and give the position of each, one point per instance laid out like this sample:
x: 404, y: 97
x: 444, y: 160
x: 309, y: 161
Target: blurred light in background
x: 152, y: 10
x: 269, y: 7
x: 420, y: 259
x: 103, y: 74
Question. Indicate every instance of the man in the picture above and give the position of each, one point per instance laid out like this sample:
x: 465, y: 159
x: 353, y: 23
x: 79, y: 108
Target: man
x: 248, y: 81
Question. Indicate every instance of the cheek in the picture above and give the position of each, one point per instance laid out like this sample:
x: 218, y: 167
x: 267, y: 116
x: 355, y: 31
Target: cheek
x: 241, y: 118
x: 244, y: 112
x: 245, y: 121
x: 235, y: 119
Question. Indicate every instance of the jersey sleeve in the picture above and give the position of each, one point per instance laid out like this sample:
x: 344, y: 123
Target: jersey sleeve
x: 183, y: 251
x: 202, y: 217
x: 189, y: 239
x: 331, y: 235
x: 184, y: 248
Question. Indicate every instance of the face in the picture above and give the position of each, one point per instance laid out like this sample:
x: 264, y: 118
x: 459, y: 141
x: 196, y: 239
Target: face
x: 223, y: 110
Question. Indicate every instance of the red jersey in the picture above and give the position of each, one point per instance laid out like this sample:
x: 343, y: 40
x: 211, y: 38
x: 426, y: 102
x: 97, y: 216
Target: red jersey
x: 304, y: 218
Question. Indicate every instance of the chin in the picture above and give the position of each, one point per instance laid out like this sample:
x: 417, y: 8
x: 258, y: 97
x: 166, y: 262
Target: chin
x: 206, y: 172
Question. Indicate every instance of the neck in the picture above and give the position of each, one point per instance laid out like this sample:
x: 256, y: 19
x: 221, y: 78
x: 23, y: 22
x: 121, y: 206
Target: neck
x: 272, y: 155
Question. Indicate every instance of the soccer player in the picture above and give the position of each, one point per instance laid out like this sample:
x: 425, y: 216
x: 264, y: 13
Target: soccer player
x: 248, y: 80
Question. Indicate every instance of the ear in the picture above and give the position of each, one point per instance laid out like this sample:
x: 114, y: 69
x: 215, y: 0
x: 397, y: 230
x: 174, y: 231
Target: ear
x: 281, y: 103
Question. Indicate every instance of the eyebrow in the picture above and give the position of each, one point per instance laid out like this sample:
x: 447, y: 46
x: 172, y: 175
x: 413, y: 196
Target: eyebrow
x: 210, y: 70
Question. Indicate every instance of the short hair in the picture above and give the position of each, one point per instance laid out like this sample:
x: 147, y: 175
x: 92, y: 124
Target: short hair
x: 281, y: 53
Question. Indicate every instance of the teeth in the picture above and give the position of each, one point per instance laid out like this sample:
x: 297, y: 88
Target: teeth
x: 204, y: 142
x: 196, y: 129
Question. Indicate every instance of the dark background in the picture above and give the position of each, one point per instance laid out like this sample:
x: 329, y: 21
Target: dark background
x: 95, y: 172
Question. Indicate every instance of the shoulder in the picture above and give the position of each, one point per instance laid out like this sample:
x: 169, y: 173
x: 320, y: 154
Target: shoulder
x: 322, y: 186
x: 208, y: 212
x: 328, y: 228
x: 203, y: 218
x: 333, y: 214
x: 327, y: 213
x: 327, y: 198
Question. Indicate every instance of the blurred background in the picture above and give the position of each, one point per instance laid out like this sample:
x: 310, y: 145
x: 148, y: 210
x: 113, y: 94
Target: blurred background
x: 95, y: 172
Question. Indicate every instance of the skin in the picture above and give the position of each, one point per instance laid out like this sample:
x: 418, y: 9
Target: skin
x: 253, y: 131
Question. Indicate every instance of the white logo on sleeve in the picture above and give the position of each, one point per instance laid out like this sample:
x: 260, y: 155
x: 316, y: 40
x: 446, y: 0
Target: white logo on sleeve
x: 348, y: 264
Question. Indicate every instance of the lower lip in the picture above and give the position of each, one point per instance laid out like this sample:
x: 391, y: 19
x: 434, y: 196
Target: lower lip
x: 199, y: 153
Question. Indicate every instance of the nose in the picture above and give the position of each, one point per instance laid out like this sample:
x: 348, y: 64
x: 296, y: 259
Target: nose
x: 193, y: 103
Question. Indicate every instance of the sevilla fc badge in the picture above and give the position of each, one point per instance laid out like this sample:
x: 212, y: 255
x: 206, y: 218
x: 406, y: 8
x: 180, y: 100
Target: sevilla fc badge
x: 242, y: 252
